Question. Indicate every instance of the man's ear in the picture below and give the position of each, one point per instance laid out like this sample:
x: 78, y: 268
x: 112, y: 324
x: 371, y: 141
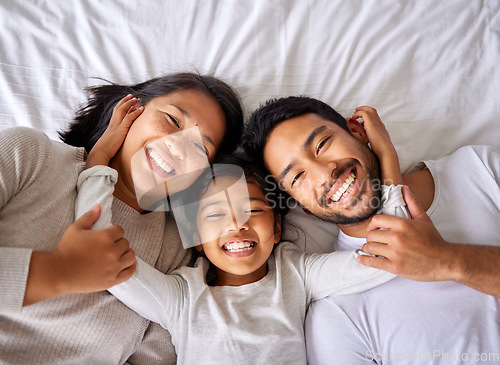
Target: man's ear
x: 357, y: 130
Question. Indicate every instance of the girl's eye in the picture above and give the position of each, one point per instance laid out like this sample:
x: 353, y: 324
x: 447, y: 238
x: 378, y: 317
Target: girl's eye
x: 322, y: 144
x: 253, y: 211
x: 215, y: 215
x: 202, y: 148
x: 296, y: 178
x: 174, y: 120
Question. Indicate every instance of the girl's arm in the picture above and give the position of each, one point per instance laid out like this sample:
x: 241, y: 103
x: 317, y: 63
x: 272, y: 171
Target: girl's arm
x: 381, y: 144
x: 152, y: 294
x: 392, y: 202
x: 340, y: 273
x: 124, y: 113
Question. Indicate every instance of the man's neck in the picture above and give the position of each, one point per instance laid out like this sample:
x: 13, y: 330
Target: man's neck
x: 421, y: 184
x: 355, y: 229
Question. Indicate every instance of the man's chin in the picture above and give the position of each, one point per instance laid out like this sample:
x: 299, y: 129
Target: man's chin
x: 340, y: 219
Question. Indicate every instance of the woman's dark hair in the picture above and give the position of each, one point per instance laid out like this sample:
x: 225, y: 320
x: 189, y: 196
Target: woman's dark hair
x: 274, y: 111
x: 93, y: 118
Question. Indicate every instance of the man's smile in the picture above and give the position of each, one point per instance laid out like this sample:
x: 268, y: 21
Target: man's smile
x: 342, y: 189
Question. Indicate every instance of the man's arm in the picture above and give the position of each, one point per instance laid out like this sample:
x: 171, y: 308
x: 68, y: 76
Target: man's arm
x: 415, y: 250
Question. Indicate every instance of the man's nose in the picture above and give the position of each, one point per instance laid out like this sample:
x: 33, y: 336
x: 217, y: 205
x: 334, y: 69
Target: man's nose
x: 321, y: 175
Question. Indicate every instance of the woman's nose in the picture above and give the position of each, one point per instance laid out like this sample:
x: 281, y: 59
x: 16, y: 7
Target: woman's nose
x: 174, y: 148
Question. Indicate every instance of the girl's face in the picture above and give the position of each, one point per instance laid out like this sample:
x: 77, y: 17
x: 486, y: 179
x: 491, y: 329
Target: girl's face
x: 167, y: 146
x: 237, y: 229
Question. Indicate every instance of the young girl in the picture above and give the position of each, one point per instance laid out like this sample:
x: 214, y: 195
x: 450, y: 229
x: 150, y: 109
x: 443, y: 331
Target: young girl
x: 39, y: 238
x: 251, y: 307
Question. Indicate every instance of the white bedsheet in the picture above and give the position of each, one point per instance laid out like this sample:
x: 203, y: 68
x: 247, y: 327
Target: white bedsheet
x: 431, y: 68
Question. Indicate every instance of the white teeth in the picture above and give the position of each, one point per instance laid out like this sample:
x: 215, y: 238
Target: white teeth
x: 159, y: 161
x: 345, y: 188
x: 239, y: 246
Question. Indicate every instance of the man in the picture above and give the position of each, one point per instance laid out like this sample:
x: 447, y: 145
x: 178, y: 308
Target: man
x: 311, y: 150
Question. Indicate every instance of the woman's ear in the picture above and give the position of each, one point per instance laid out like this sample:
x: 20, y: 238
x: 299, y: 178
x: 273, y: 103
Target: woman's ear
x: 197, y: 242
x: 277, y: 228
x: 357, y: 130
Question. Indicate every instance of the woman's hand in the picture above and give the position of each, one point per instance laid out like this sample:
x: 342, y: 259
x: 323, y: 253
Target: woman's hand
x: 380, y: 143
x: 124, y: 113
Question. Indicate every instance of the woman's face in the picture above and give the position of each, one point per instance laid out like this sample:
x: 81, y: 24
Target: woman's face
x: 167, y: 146
x: 237, y: 229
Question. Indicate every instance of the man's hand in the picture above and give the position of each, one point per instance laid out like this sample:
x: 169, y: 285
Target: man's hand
x: 84, y: 261
x: 413, y: 249
x: 124, y: 113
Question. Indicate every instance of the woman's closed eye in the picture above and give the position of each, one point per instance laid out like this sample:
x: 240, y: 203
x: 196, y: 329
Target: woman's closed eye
x: 202, y: 148
x: 174, y: 120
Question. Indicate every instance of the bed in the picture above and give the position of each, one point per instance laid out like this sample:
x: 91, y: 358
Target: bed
x: 431, y: 69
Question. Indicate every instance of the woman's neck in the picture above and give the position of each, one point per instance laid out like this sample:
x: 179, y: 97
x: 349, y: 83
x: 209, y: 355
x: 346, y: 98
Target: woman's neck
x: 123, y: 192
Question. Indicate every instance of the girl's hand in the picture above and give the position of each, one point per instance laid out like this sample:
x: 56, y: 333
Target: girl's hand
x: 124, y: 113
x: 380, y: 143
x: 84, y: 261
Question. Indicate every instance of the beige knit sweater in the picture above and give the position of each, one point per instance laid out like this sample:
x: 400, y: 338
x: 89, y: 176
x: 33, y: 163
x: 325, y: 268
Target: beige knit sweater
x: 38, y: 179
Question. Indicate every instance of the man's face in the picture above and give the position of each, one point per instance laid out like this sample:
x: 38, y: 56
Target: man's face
x: 328, y: 171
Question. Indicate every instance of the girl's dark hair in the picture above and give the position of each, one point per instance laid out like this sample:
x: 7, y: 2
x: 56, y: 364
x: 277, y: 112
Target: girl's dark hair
x: 229, y: 165
x: 263, y: 120
x: 92, y: 119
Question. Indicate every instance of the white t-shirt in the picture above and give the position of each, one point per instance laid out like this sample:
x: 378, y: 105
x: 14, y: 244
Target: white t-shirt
x: 408, y: 322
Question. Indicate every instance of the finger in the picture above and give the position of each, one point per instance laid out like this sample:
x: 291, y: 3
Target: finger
x: 366, y: 108
x: 121, y: 247
x: 87, y: 220
x: 381, y: 263
x: 126, y: 273
x: 124, y: 100
x: 132, y: 115
x: 385, y: 221
x: 377, y: 249
x: 114, y: 232
x: 127, y: 258
x: 414, y: 207
x: 121, y: 110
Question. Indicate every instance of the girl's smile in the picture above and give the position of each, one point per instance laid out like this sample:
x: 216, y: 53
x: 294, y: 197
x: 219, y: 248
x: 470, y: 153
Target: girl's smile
x: 237, y: 230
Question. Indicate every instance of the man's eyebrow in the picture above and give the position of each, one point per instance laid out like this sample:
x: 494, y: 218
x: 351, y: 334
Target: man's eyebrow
x: 305, y: 146
x: 313, y: 135
x: 285, y: 171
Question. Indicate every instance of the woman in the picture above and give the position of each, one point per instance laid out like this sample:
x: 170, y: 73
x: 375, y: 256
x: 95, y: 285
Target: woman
x: 37, y: 196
